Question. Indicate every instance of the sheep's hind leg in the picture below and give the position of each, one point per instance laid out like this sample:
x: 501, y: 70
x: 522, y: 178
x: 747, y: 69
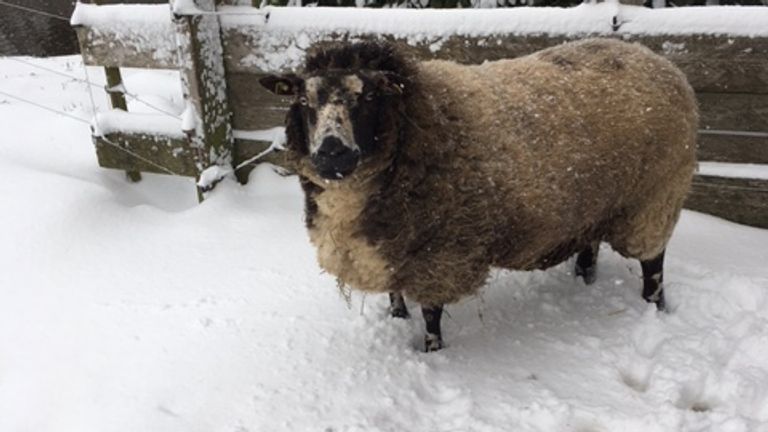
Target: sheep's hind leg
x: 397, y: 306
x: 653, y: 281
x: 433, y: 340
x: 586, y: 263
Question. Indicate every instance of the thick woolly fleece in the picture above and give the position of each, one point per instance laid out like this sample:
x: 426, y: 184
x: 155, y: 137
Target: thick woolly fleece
x: 515, y: 163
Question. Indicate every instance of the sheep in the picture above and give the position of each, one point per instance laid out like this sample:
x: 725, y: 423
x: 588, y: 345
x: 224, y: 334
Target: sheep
x: 419, y: 176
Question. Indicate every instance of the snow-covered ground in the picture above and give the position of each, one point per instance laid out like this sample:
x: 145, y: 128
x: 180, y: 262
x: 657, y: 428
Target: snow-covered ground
x: 129, y: 307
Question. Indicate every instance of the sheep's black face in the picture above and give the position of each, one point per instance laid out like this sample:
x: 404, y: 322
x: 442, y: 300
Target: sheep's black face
x: 340, y: 116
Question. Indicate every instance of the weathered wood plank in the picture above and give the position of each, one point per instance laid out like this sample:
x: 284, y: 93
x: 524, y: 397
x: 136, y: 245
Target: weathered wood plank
x: 739, y: 200
x: 740, y: 74
x: 253, y: 107
x: 174, y: 154
x: 735, y: 149
x: 742, y: 112
x: 713, y: 63
x: 107, y: 47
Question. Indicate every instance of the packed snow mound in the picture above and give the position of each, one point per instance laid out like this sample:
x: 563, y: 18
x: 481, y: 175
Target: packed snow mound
x: 129, y: 307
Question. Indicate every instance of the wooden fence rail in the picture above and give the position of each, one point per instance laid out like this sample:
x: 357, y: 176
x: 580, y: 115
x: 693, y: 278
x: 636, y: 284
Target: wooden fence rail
x: 726, y: 63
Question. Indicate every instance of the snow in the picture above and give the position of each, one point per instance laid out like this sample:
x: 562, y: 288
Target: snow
x: 185, y: 7
x: 587, y: 18
x: 91, y: 15
x: 734, y: 170
x: 289, y: 31
x: 595, y: 18
x: 116, y: 120
x: 190, y: 120
x: 275, y: 135
x: 727, y: 20
x: 212, y: 175
x: 129, y: 307
x: 146, y: 28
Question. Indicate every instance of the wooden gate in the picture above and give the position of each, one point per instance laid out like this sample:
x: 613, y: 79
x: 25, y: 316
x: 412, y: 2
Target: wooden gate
x: 222, y: 50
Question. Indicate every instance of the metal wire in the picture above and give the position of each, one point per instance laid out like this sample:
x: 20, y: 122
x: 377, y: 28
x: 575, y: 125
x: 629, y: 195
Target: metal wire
x: 37, y: 11
x: 89, y: 82
x: 103, y: 138
x: 272, y: 147
x: 106, y: 140
x: 90, y: 90
x: 141, y: 158
x: 53, y: 110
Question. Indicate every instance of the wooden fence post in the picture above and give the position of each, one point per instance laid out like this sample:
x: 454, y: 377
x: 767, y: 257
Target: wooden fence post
x: 207, y: 117
x: 115, y: 90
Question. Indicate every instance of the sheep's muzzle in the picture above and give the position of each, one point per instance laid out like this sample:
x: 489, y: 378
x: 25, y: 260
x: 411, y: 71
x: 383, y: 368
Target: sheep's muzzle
x: 333, y: 160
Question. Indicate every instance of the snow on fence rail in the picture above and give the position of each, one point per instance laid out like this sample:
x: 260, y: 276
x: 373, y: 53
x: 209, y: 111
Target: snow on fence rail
x: 722, y: 50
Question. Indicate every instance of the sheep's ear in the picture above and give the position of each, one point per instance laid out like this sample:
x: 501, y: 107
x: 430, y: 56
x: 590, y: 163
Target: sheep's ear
x: 283, y: 85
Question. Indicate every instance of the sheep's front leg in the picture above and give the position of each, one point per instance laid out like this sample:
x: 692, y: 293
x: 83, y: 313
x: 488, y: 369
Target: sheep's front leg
x: 433, y: 340
x: 586, y: 263
x: 397, y: 306
x: 653, y: 281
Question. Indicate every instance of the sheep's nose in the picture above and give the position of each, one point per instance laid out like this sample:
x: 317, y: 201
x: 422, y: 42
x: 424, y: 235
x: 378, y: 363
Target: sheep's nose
x: 332, y: 147
x: 333, y: 160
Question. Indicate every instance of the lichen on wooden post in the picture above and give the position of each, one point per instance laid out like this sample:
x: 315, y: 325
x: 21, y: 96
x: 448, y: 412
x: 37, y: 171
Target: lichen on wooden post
x: 207, y: 118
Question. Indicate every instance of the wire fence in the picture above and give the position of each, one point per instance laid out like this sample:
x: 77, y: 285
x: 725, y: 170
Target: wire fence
x: 89, y: 123
x: 34, y: 11
x: 100, y: 86
x: 90, y: 85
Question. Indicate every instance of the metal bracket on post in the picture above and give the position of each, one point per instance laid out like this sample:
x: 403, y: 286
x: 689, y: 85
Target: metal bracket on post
x: 207, y: 117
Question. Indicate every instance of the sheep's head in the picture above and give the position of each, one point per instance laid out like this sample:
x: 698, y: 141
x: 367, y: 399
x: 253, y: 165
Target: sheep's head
x: 346, y: 110
x: 344, y: 116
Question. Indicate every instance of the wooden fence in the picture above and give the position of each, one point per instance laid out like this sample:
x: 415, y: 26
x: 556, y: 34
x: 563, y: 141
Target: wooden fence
x: 221, y: 52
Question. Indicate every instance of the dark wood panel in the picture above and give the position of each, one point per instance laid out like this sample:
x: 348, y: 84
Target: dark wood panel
x: 253, y: 107
x: 716, y: 63
x: 712, y: 63
x: 246, y: 149
x: 174, y: 154
x: 148, y: 51
x: 741, y: 112
x: 736, y: 149
x: 739, y: 200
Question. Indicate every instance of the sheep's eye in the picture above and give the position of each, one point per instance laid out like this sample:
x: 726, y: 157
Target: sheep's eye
x: 303, y: 100
x: 369, y: 96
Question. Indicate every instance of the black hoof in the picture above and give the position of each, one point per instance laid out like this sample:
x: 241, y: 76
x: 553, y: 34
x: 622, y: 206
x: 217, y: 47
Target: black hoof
x: 589, y: 274
x: 586, y: 263
x: 661, y: 304
x: 397, y: 307
x: 400, y: 313
x: 433, y: 339
x: 432, y: 342
x: 653, y: 281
